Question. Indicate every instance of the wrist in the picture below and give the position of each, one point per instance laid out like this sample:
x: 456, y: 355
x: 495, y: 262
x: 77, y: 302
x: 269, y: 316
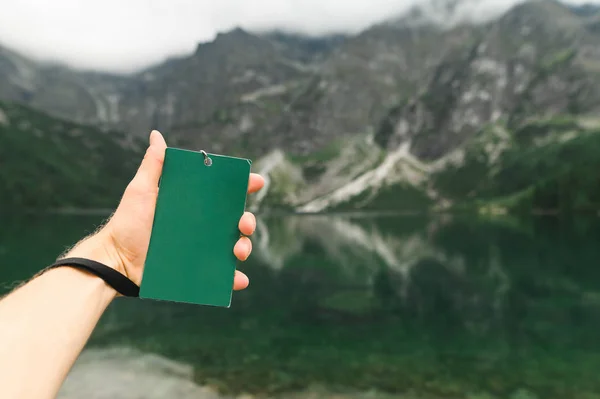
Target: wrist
x: 98, y: 248
x: 83, y: 284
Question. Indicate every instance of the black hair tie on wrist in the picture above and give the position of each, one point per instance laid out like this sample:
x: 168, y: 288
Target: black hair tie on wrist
x: 119, y: 282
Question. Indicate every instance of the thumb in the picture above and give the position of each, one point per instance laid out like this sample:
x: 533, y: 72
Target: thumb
x: 150, y: 169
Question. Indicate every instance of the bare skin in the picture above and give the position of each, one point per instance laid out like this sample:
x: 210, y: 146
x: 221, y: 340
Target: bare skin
x: 45, y: 323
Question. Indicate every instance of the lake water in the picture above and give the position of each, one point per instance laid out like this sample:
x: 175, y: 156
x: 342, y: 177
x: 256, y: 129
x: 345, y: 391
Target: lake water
x: 355, y: 306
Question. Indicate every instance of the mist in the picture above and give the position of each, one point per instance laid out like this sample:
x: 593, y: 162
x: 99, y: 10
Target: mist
x: 123, y: 36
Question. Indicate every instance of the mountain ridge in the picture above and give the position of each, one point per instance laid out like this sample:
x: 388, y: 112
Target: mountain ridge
x: 350, y: 121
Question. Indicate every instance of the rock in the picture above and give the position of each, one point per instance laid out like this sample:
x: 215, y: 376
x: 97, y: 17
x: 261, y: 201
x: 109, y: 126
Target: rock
x: 4, y: 121
x: 130, y: 374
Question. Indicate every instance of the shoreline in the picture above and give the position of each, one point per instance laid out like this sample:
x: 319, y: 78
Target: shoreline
x: 348, y: 213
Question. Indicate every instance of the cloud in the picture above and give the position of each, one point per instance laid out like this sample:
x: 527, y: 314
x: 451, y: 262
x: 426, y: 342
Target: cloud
x: 121, y: 36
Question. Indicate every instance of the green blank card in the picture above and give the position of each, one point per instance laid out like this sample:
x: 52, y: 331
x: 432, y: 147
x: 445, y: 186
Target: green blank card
x: 190, y: 258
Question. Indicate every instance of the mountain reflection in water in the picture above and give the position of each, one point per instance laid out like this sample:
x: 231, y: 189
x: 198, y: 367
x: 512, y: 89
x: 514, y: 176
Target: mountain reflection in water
x: 375, y: 306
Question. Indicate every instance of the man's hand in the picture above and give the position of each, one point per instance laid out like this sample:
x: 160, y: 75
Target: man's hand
x: 123, y: 242
x: 46, y: 322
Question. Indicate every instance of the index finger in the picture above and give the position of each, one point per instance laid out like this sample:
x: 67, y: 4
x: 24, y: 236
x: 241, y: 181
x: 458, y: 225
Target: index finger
x: 256, y: 183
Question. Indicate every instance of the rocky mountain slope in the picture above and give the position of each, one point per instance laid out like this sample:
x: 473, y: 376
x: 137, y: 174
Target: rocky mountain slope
x: 535, y: 69
x: 392, y: 118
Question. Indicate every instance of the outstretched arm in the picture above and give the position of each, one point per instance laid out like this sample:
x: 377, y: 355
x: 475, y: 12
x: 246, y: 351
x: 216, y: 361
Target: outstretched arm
x: 44, y: 326
x: 45, y: 323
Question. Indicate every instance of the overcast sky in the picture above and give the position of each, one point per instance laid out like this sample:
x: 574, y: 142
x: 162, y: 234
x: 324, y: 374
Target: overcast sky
x: 124, y: 35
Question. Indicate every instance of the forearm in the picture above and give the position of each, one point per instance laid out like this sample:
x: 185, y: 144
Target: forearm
x: 44, y: 325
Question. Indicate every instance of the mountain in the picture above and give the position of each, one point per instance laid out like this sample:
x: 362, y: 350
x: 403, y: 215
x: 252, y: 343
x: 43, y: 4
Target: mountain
x: 439, y: 107
x: 536, y: 66
x: 469, y: 123
x: 49, y: 162
x: 58, y: 90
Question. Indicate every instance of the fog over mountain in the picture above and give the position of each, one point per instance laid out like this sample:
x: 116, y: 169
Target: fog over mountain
x: 112, y: 35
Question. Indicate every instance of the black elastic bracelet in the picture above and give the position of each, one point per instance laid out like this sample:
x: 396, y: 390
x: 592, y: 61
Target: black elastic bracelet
x: 119, y: 282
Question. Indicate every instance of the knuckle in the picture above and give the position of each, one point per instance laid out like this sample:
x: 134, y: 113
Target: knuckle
x: 153, y: 155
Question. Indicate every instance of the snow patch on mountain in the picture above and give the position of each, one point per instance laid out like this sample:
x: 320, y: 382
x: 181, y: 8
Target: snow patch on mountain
x: 398, y: 166
x: 281, y: 178
x: 270, y: 91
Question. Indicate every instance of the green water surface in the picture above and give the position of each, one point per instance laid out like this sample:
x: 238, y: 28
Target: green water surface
x: 444, y: 307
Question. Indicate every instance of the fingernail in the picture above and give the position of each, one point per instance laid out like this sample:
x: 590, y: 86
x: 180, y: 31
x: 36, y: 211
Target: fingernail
x: 152, y: 136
